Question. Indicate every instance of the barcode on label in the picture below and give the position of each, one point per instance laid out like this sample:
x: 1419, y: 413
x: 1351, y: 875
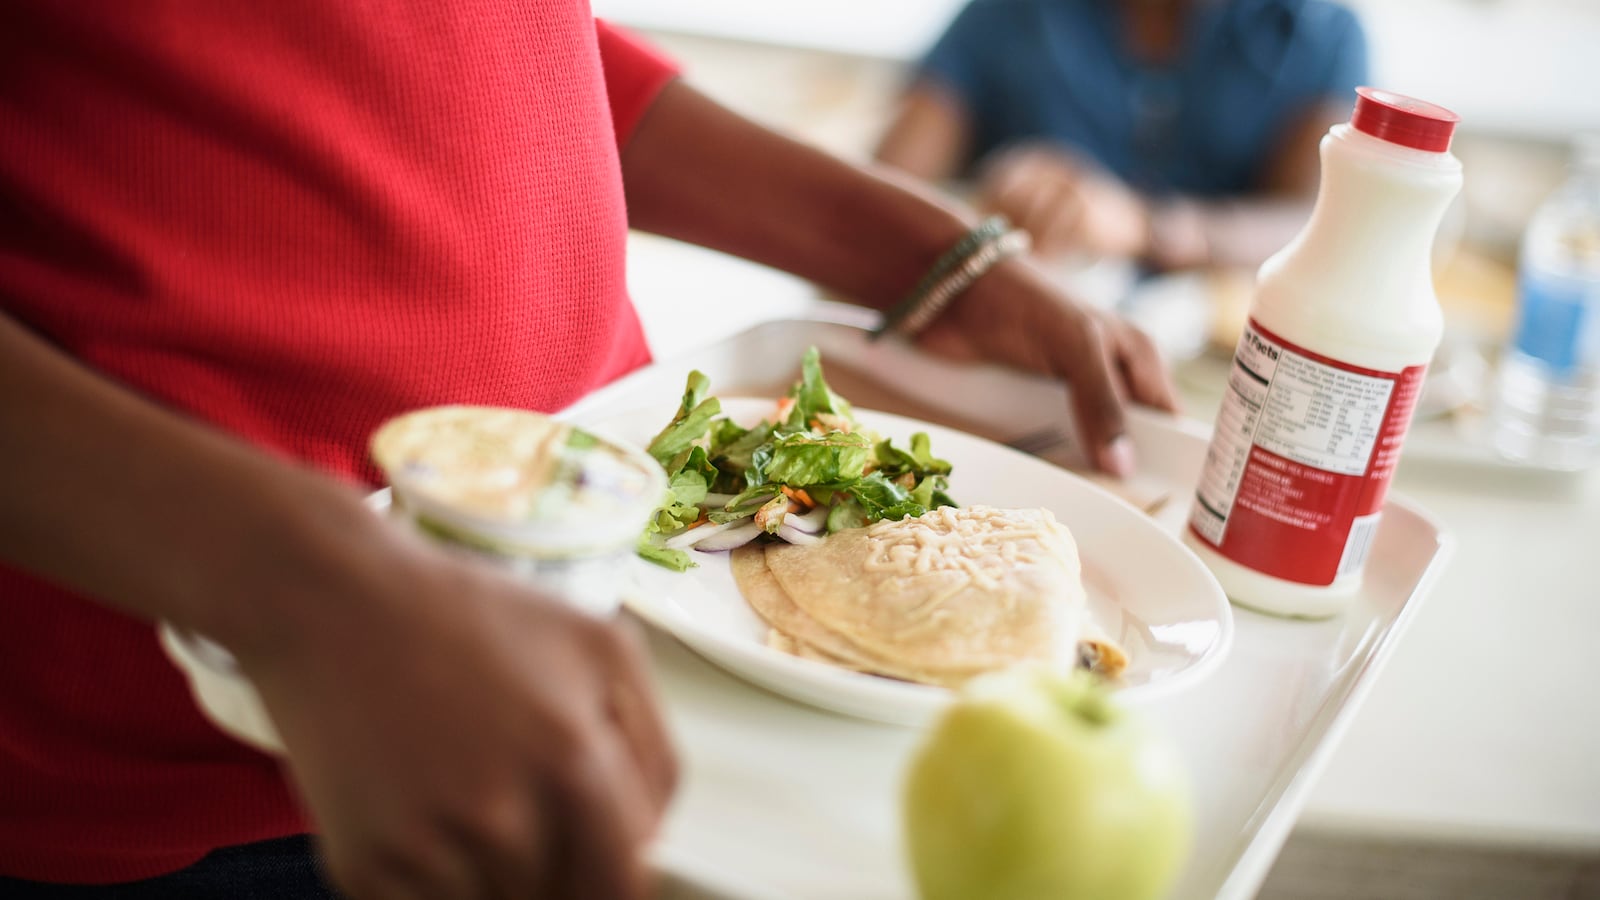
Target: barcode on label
x: 1357, y: 545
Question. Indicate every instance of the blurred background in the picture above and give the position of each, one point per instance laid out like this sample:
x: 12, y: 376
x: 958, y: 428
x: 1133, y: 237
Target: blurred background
x: 1523, y: 74
x: 1469, y: 774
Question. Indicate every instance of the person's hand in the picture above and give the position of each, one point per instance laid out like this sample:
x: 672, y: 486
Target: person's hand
x: 454, y: 734
x: 1065, y: 204
x: 1013, y: 315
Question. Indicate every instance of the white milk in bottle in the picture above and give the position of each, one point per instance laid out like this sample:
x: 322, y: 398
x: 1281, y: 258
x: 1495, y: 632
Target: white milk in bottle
x: 1326, y: 375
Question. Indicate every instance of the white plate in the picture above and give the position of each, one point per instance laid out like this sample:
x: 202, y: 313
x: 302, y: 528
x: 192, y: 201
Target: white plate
x: 1146, y: 590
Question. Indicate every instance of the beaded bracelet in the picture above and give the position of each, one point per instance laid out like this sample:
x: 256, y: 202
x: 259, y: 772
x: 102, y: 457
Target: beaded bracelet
x: 986, y: 231
x: 923, y: 305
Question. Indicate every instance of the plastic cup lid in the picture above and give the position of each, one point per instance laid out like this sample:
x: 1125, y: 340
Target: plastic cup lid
x: 1403, y: 120
x: 518, y: 478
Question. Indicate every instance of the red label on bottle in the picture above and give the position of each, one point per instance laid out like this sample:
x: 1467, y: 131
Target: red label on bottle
x: 1304, y: 450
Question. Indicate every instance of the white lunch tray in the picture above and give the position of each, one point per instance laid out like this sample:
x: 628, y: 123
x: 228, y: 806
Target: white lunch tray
x: 793, y: 802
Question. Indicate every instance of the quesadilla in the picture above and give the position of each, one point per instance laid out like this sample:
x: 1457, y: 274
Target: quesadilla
x: 936, y: 599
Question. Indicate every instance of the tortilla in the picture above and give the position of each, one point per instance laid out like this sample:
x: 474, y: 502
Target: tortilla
x: 936, y: 600
x: 954, y: 590
x: 783, y: 643
x: 793, y: 631
x: 762, y: 591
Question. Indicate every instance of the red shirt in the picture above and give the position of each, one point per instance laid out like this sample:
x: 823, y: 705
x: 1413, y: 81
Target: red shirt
x: 292, y: 219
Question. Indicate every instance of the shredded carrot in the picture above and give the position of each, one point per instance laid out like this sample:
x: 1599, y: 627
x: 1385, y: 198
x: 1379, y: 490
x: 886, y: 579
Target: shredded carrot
x: 700, y: 521
x: 798, y: 495
x: 784, y: 405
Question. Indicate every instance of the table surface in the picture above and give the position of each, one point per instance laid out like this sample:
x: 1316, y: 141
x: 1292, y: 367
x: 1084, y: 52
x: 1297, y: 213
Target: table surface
x: 1484, y: 726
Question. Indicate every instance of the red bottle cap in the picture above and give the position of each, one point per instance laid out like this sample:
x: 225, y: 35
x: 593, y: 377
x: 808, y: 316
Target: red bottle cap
x: 1403, y: 120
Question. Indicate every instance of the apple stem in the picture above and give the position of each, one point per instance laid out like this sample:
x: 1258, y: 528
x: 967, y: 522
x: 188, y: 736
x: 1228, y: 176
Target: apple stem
x: 1084, y: 696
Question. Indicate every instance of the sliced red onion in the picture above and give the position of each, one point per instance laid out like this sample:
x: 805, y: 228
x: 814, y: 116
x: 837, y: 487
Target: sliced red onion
x: 694, y: 536
x: 811, y: 523
x: 733, y: 537
x: 794, y: 535
x: 729, y: 535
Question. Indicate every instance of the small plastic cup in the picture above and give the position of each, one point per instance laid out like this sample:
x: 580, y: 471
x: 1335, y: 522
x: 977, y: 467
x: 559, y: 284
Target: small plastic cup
x: 554, y: 505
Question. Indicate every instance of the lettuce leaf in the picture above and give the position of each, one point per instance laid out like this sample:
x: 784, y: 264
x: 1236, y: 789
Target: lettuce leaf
x: 689, y: 477
x: 919, y: 460
x: 725, y: 433
x: 847, y: 513
x: 929, y: 492
x: 738, y: 459
x: 812, y: 395
x: 676, y: 560
x: 818, y: 446
x: 695, y: 413
x: 881, y: 498
x: 672, y: 517
x: 801, y: 459
x: 746, y: 504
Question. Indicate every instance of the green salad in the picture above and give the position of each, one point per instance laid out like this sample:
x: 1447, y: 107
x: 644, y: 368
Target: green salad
x: 807, y: 471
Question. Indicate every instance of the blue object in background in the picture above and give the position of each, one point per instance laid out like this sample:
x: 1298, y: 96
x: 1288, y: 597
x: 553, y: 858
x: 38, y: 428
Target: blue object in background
x: 1204, y: 124
x: 1558, y: 320
x: 1546, y: 407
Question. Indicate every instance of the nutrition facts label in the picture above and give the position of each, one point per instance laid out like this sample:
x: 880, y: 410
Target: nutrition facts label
x: 1249, y: 384
x: 1323, y: 417
x: 1294, y: 453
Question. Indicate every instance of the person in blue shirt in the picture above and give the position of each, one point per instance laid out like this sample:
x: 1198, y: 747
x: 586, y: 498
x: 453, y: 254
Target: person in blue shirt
x: 1178, y: 132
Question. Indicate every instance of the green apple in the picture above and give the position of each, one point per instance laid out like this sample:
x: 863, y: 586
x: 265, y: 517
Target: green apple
x: 1035, y: 785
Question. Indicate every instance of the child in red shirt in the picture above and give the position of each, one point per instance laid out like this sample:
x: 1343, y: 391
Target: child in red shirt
x: 237, y: 237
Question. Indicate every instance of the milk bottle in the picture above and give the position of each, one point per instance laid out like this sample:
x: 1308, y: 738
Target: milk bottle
x: 1325, y: 377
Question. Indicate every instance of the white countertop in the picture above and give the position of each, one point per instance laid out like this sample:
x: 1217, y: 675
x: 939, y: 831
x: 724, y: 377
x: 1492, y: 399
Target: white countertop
x: 1485, y: 726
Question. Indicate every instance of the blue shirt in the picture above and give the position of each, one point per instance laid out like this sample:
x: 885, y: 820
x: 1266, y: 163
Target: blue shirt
x: 1205, y: 124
